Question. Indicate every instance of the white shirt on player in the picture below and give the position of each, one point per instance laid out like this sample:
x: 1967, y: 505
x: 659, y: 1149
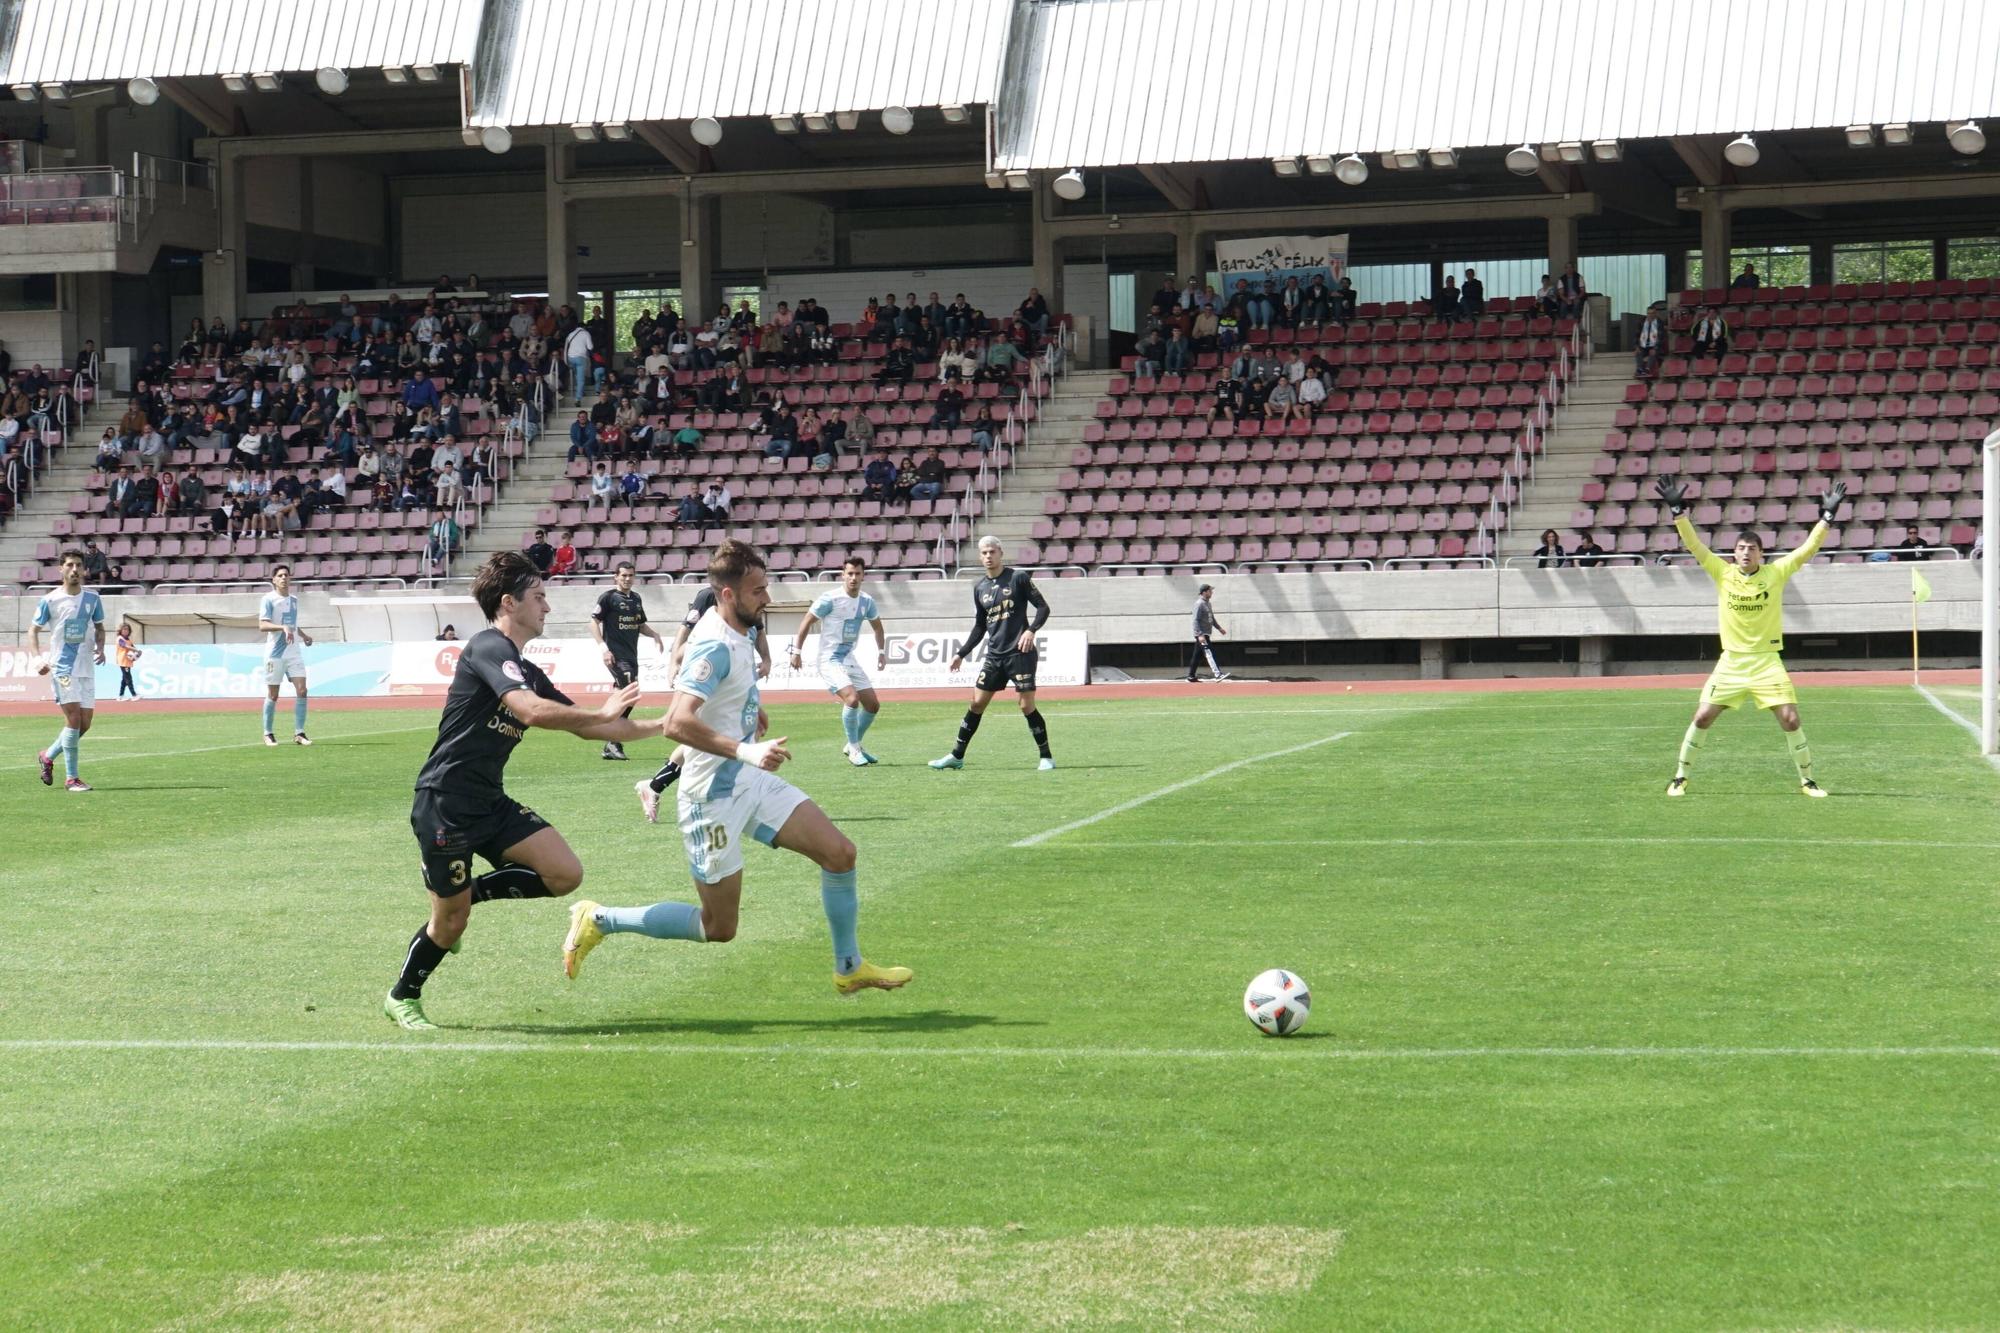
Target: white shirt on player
x: 280, y: 611
x: 72, y: 619
x: 840, y: 622
x: 720, y: 669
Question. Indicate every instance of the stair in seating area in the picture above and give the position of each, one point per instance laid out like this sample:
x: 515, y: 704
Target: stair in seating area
x: 1594, y: 397
x: 507, y: 520
x: 67, y: 474
x: 1038, y: 468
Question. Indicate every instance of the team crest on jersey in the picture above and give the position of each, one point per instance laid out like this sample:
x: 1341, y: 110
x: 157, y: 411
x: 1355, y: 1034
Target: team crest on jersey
x: 701, y: 671
x: 512, y: 671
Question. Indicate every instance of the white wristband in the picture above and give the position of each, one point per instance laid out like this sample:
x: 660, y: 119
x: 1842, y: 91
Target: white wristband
x: 743, y: 752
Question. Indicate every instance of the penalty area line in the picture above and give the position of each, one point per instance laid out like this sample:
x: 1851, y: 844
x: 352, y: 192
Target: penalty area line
x: 1035, y: 839
x: 1308, y: 1049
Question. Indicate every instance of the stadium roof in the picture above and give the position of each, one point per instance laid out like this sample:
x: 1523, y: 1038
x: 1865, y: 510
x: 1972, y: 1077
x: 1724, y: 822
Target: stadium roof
x: 608, y: 61
x: 1197, y: 81
x: 74, y: 41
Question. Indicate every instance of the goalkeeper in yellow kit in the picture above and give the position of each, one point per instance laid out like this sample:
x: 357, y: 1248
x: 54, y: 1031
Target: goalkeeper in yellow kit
x: 1750, y: 605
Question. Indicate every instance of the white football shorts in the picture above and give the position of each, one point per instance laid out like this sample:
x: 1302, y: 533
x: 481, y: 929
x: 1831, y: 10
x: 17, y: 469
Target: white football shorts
x: 839, y: 673
x: 713, y: 830
x: 292, y: 664
x: 79, y: 687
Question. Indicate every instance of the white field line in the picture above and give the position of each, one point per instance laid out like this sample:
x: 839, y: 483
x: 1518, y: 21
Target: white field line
x: 1260, y: 1049
x: 1478, y: 841
x: 1036, y: 838
x: 95, y: 759
x: 1669, y: 722
x: 1956, y: 716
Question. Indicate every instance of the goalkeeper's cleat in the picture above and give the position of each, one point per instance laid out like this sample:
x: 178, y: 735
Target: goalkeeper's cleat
x: 269, y: 739
x: 79, y: 785
x: 949, y: 761
x: 584, y: 935
x: 854, y: 755
x: 407, y: 1014
x: 1046, y: 764
x: 1812, y: 789
x: 48, y: 763
x: 1677, y: 787
x: 649, y: 800
x: 870, y: 977
x: 300, y: 738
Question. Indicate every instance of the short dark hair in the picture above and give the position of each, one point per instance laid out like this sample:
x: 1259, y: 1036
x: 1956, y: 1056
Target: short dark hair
x: 731, y: 561
x: 624, y: 565
x: 73, y: 553
x: 505, y: 574
x: 854, y: 560
x: 1753, y: 538
x: 279, y: 569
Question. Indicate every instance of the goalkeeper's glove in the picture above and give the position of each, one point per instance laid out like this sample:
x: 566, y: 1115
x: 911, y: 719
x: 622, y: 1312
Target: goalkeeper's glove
x: 1830, y: 503
x: 1673, y: 493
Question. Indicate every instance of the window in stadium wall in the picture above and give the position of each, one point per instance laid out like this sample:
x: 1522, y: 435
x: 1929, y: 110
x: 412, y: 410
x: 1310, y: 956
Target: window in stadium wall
x: 1777, y: 266
x: 1630, y: 282
x: 1883, y: 261
x: 626, y: 305
x: 1974, y: 257
x: 1392, y: 282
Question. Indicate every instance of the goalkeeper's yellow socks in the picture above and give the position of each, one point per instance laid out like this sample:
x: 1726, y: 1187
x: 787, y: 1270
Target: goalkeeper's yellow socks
x: 1690, y: 743
x: 1801, y: 753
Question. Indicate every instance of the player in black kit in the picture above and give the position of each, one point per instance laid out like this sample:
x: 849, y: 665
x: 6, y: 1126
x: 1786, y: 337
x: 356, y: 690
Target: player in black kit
x: 650, y: 789
x: 617, y: 623
x: 461, y: 810
x: 1000, y: 603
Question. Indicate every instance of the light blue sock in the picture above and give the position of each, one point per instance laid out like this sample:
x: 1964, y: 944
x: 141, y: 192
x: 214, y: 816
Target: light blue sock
x: 55, y: 746
x: 863, y: 722
x: 836, y: 895
x: 299, y: 714
x: 70, y: 741
x: 663, y: 921
x: 270, y: 714
x: 847, y: 712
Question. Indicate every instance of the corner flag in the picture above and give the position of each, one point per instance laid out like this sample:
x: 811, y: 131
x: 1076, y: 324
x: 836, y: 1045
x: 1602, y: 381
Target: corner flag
x: 1920, y: 588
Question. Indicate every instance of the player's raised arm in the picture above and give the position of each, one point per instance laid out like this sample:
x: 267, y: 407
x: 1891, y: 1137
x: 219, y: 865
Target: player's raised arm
x: 1829, y: 508
x: 1672, y: 491
x: 684, y: 724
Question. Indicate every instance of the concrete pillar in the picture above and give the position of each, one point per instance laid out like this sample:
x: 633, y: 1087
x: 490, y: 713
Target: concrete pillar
x: 303, y: 277
x: 223, y: 269
x: 1562, y: 244
x: 1677, y: 269
x: 1591, y: 655
x: 559, y: 163
x: 1047, y: 252
x: 1430, y: 659
x: 701, y: 230
x: 1715, y: 228
x: 1190, y: 253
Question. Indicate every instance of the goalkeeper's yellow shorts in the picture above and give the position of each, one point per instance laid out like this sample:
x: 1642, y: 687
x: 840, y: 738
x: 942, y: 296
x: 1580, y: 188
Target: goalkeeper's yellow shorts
x: 1757, y: 676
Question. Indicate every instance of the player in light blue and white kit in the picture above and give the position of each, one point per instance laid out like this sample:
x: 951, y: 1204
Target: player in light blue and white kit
x: 278, y: 618
x: 73, y: 615
x: 840, y: 616
x: 730, y: 790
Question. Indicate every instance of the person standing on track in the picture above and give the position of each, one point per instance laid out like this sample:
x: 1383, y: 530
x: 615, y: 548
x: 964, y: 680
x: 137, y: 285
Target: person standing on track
x: 616, y: 624
x: 1205, y: 624
x: 128, y: 657
x: 1000, y: 604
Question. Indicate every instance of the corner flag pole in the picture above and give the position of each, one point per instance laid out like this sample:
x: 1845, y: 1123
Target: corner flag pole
x: 1989, y: 583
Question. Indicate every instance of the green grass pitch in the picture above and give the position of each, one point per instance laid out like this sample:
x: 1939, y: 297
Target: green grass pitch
x: 1579, y: 1056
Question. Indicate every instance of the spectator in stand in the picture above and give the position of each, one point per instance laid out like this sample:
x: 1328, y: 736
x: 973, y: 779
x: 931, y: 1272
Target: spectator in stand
x: 1548, y: 297
x: 603, y: 490
x: 334, y: 488
x: 582, y: 439
x: 565, y: 560
x: 1570, y: 287
x: 131, y: 425
x: 906, y: 478
x: 1652, y: 341
x: 832, y: 433
x: 1281, y: 402
x: 1034, y: 312
x: 1256, y: 396
x: 686, y: 441
x: 1207, y: 330
x: 860, y: 432
x: 878, y: 479
x: 998, y: 366
x: 1747, y: 280
x: 118, y: 496
x: 447, y: 635
x: 930, y: 478
x: 1711, y: 334
x: 1178, y: 354
x: 715, y: 501
x: 1291, y: 303
x: 1312, y: 394
x: 418, y: 392
x: 955, y: 363
x: 97, y: 566
x: 169, y: 492
x: 899, y: 366
x: 191, y: 498
x: 1150, y: 351
x: 110, y: 449
x: 1550, y: 554
x: 368, y: 473
x: 950, y: 408
x: 1445, y: 304
x: 1227, y: 404
x: 1587, y: 553
x: 1472, y: 296
x: 580, y: 353
x: 540, y: 552
x: 443, y: 542
x: 632, y: 485
x: 1910, y: 548
x: 958, y: 318
x: 450, y: 486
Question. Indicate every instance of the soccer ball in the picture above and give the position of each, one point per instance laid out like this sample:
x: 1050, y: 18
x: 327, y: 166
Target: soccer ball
x: 1277, y: 1002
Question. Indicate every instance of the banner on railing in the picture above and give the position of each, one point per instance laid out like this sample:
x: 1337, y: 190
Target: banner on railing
x: 214, y: 671
x: 916, y: 661
x: 1276, y: 258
